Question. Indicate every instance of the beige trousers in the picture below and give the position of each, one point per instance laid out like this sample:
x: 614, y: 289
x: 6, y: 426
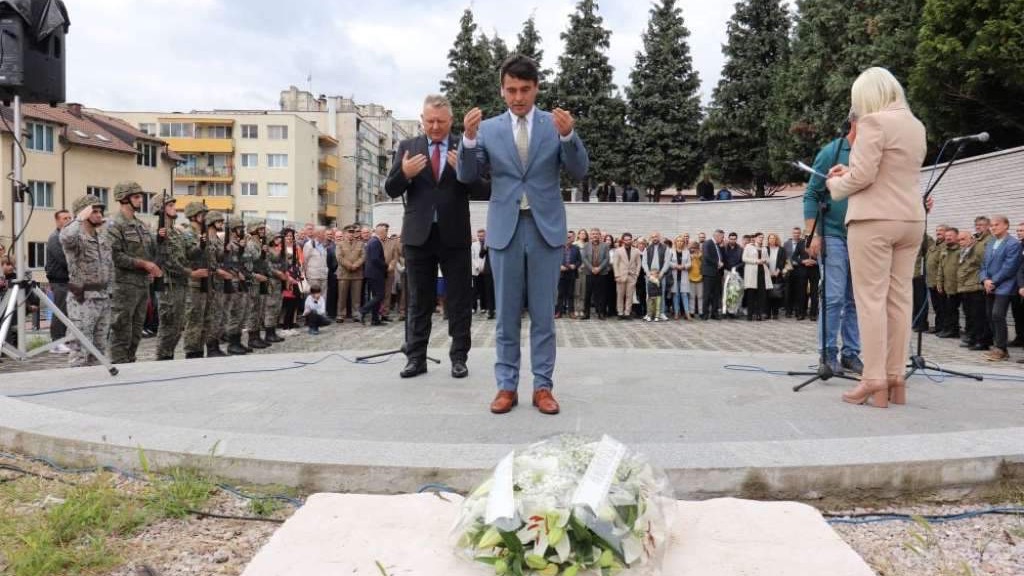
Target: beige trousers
x: 624, y: 291
x: 882, y: 254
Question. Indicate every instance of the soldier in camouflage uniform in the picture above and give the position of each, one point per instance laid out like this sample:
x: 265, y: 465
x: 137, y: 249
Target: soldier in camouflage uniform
x: 254, y: 261
x: 238, y: 303
x: 90, y: 269
x: 133, y: 250
x: 277, y: 265
x: 172, y: 249
x: 220, y: 284
x: 199, y: 281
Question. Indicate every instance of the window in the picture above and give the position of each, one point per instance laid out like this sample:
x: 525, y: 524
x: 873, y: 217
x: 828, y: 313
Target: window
x: 218, y: 189
x: 177, y: 130
x: 99, y: 192
x: 249, y: 215
x: 42, y: 193
x: 40, y: 137
x: 276, y: 216
x: 277, y: 132
x: 277, y: 189
x: 147, y: 154
x: 147, y: 128
x: 146, y: 198
x: 250, y: 160
x: 219, y: 132
x: 250, y: 189
x: 181, y: 189
x: 250, y: 131
x: 277, y: 160
x: 37, y: 255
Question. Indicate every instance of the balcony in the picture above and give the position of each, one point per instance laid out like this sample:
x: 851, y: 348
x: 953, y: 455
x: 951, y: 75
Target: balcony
x: 329, y: 160
x: 200, y: 145
x: 222, y: 203
x: 328, y: 185
x: 204, y: 174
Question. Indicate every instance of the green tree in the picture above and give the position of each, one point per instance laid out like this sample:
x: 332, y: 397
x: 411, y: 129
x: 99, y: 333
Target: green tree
x: 968, y: 75
x: 735, y: 132
x: 470, y: 81
x: 584, y: 87
x: 528, y: 44
x: 664, y: 104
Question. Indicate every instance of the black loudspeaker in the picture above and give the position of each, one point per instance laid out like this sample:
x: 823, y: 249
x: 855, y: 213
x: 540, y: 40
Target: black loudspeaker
x: 32, y: 51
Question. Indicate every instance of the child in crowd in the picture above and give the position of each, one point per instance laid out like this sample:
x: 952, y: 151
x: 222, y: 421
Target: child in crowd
x: 316, y: 310
x: 654, y: 296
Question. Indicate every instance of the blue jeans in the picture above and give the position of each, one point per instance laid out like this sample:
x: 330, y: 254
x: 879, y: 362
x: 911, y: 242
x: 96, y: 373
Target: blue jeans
x: 840, y: 311
x: 681, y: 302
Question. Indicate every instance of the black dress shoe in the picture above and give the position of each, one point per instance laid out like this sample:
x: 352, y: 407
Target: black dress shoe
x: 980, y: 347
x: 414, y: 368
x: 459, y: 369
x: 967, y: 344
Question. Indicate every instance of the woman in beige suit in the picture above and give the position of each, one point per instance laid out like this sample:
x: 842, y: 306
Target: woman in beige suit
x: 885, y: 221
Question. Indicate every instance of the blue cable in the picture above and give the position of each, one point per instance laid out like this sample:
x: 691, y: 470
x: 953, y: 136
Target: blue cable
x: 936, y: 519
x: 436, y: 488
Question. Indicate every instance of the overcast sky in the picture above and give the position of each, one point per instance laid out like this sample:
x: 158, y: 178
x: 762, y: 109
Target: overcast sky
x: 180, y: 55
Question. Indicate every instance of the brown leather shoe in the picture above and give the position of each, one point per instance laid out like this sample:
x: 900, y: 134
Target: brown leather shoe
x: 504, y: 402
x: 545, y: 402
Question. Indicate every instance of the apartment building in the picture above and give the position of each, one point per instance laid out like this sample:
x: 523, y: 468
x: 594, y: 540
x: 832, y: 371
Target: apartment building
x: 256, y: 164
x: 367, y: 135
x: 70, y: 152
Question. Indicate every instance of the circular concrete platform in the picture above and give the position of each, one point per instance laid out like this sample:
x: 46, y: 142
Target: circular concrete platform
x: 325, y: 423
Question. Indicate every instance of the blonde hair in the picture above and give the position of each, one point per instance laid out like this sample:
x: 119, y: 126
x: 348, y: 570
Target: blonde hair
x: 875, y: 89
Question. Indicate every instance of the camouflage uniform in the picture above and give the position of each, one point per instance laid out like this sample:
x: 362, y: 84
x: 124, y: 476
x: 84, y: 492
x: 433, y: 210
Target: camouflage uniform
x: 130, y: 242
x: 254, y: 262
x: 237, y: 304
x: 272, y: 307
x: 199, y: 292
x: 173, y: 252
x: 213, y: 326
x: 91, y: 266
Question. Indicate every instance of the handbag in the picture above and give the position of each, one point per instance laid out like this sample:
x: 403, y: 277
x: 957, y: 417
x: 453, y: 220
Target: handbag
x: 778, y: 290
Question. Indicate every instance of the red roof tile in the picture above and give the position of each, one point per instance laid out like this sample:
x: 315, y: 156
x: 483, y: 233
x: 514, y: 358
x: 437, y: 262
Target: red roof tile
x: 85, y: 128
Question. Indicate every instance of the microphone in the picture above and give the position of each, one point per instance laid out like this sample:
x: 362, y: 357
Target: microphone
x: 979, y: 137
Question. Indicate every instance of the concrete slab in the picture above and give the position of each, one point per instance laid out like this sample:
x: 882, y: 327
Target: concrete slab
x: 324, y: 423
x: 357, y: 534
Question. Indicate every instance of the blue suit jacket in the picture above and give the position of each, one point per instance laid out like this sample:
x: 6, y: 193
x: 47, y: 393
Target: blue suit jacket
x: 375, y: 268
x: 539, y: 179
x: 1000, y: 266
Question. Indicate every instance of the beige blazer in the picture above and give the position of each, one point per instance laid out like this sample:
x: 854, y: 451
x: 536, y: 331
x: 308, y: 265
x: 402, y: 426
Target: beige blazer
x: 885, y: 168
x: 623, y: 267
x: 352, y: 253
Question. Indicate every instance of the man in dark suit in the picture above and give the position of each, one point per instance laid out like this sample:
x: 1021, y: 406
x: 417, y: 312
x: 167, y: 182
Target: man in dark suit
x: 435, y: 232
x: 789, y: 247
x: 332, y: 273
x: 596, y: 262
x: 375, y: 271
x: 571, y: 261
x: 805, y: 275
x: 711, y: 266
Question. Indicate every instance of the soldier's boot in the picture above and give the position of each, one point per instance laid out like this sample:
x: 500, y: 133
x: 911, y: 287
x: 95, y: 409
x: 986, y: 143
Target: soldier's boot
x: 255, y: 341
x: 235, y: 345
x: 164, y: 357
x: 272, y: 336
x: 243, y: 344
x: 213, y: 349
x: 190, y: 355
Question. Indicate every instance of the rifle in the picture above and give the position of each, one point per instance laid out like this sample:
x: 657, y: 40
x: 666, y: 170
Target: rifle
x: 158, y: 283
x: 204, y: 283
x: 229, y: 287
x: 264, y: 286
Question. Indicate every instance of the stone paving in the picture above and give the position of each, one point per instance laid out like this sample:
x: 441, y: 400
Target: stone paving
x: 736, y: 336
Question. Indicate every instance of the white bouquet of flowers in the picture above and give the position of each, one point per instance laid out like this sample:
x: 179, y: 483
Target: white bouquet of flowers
x: 566, y: 507
x: 732, y: 291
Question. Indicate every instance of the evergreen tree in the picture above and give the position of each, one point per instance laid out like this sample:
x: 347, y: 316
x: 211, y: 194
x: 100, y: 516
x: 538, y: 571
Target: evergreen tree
x: 664, y: 104
x: 528, y: 44
x: 584, y: 87
x: 735, y: 133
x: 969, y: 76
x: 470, y: 81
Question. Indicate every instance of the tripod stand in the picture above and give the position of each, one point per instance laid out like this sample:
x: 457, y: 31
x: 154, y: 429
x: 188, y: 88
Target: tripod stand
x: 13, y: 310
x: 917, y: 359
x: 824, y: 371
x: 405, y: 340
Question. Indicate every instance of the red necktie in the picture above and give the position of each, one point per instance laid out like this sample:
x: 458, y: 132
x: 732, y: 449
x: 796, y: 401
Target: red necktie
x: 435, y: 160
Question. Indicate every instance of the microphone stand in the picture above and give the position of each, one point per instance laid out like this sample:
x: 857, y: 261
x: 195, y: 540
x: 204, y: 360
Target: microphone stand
x: 824, y: 371
x: 917, y: 359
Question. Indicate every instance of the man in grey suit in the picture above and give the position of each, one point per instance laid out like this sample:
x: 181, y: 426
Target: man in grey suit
x: 524, y: 150
x: 596, y: 257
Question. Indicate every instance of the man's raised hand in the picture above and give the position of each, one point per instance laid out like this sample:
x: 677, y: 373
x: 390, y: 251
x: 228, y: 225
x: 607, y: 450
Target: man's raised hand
x: 471, y: 122
x: 411, y: 166
x: 564, y: 122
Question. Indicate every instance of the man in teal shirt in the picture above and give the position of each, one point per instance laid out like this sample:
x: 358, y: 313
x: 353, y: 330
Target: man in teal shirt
x: 839, y: 311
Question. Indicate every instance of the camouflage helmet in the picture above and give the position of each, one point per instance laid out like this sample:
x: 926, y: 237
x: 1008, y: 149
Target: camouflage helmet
x: 162, y: 201
x: 255, y: 225
x: 84, y: 201
x: 235, y: 222
x: 195, y: 208
x: 214, y: 216
x: 125, y: 189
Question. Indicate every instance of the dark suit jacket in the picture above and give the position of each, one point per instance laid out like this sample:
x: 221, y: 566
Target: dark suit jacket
x: 424, y: 194
x: 709, y: 258
x: 733, y: 257
x: 572, y: 258
x: 332, y: 260
x: 376, y: 267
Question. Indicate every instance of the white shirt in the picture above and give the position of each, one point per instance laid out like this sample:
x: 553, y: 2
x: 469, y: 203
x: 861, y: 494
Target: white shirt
x: 316, y: 306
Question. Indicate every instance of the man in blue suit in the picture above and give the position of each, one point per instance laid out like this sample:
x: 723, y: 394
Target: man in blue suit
x: 375, y: 270
x: 999, y: 276
x: 523, y: 150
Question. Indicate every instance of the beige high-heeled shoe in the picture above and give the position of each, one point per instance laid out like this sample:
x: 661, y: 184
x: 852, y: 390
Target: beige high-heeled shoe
x: 897, y: 390
x: 876, y: 390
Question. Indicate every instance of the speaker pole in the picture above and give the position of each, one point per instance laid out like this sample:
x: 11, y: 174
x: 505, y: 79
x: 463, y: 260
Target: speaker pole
x: 19, y: 216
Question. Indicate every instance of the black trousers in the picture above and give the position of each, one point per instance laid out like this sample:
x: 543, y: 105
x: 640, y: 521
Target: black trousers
x: 421, y: 263
x: 484, y: 287
x: 1017, y: 305
x: 60, y: 297
x: 919, y: 316
x: 594, y: 294
x: 375, y: 290
x: 996, y: 307
x: 566, y: 293
x: 806, y: 290
x: 712, y: 294
x: 331, y: 293
x: 952, y: 314
x: 939, y: 305
x: 610, y: 289
x: 976, y: 325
